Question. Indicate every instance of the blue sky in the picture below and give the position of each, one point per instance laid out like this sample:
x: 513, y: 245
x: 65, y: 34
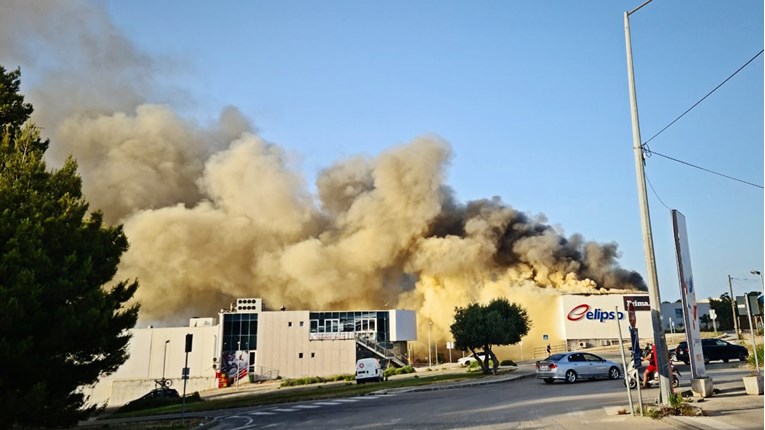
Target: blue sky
x: 532, y: 96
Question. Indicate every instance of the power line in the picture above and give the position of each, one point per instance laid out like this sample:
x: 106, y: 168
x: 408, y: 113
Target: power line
x: 702, y: 99
x: 650, y: 152
x: 655, y: 193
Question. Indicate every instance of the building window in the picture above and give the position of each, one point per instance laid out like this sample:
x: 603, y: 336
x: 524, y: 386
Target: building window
x: 301, y: 323
x: 300, y: 355
x: 332, y: 325
x: 313, y: 354
x: 289, y: 324
x: 314, y: 326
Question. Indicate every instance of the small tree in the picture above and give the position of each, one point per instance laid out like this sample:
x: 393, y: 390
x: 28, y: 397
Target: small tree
x: 498, y: 323
x: 62, y: 322
x: 724, y: 311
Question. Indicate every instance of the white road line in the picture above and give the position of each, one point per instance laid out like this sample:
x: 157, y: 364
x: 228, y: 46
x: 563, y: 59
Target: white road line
x: 327, y: 403
x: 306, y: 406
x: 347, y: 400
x: 261, y: 413
x: 284, y: 410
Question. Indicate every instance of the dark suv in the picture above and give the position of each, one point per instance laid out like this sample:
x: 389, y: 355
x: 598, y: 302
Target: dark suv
x: 713, y: 349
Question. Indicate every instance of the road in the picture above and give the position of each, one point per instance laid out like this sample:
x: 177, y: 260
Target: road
x: 523, y: 404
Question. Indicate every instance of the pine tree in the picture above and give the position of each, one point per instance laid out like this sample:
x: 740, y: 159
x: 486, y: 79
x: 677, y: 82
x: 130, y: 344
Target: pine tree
x: 63, y: 321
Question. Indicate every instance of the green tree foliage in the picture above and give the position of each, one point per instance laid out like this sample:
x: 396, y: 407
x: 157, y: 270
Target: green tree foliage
x: 63, y: 323
x: 480, y: 327
x: 722, y: 308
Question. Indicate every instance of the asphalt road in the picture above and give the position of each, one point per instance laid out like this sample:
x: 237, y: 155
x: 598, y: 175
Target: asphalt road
x: 523, y: 404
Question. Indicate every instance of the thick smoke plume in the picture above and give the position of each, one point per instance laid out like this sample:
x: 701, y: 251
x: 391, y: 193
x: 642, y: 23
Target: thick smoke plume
x: 214, y: 212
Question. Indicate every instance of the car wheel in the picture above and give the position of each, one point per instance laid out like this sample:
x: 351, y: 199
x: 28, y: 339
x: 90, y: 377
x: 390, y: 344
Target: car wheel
x: 742, y: 356
x: 675, y: 382
x: 706, y: 359
x: 548, y: 380
x: 614, y: 373
x: 571, y: 376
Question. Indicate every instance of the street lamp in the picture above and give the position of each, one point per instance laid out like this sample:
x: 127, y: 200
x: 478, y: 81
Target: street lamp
x: 430, y: 323
x: 164, y: 361
x: 645, y: 220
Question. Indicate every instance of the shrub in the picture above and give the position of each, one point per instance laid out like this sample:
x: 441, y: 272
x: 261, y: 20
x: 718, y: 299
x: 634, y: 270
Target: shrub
x: 759, y: 353
x: 398, y: 371
x: 315, y: 380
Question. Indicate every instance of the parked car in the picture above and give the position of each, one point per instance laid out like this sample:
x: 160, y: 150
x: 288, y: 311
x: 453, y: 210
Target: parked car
x: 713, y: 349
x: 152, y: 398
x: 467, y: 361
x: 572, y: 366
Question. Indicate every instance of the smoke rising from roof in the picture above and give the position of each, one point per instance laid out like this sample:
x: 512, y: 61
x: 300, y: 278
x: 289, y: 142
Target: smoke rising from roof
x: 214, y: 212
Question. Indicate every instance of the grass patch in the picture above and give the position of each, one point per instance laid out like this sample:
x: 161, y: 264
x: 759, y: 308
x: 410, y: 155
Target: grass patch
x: 678, y: 405
x: 301, y: 393
x: 316, y: 380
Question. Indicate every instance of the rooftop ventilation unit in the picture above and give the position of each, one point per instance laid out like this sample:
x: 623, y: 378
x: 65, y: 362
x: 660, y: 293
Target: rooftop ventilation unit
x: 249, y: 306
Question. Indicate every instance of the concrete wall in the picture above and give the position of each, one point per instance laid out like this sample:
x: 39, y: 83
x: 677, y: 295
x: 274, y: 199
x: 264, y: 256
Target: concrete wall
x: 284, y: 336
x: 147, y: 354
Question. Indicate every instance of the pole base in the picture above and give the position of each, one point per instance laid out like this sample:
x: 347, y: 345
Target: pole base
x: 702, y: 387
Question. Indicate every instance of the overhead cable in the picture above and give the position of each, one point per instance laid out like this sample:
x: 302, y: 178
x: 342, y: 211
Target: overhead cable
x: 650, y: 152
x: 702, y: 99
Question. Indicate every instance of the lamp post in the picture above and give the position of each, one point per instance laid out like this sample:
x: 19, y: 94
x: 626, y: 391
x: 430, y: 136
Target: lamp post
x: 164, y: 361
x: 430, y: 323
x: 645, y: 220
x: 238, y: 351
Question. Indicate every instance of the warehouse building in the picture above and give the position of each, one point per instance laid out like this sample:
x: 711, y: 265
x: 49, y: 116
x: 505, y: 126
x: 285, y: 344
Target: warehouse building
x: 249, y: 343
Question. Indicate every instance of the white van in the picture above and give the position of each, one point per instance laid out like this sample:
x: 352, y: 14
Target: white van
x: 368, y: 370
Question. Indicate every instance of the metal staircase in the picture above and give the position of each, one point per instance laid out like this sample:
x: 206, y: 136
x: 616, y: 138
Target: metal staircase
x: 382, y: 352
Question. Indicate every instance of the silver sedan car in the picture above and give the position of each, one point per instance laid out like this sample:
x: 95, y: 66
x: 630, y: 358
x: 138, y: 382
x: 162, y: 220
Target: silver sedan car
x: 572, y: 366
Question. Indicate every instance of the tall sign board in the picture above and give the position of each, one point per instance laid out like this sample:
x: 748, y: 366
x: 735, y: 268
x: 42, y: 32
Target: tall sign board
x: 688, y: 295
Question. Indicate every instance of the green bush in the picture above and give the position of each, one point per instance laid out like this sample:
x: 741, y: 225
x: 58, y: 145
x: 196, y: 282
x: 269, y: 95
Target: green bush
x: 475, y: 366
x: 398, y: 371
x: 750, y: 360
x: 315, y: 380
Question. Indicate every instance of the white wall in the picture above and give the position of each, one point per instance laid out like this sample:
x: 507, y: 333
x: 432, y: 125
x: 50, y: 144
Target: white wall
x: 590, y: 317
x: 282, y: 339
x: 403, y: 325
x: 675, y: 312
x: 147, y: 353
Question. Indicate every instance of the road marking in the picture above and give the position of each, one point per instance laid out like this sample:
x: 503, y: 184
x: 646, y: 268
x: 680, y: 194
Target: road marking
x: 347, y: 400
x: 284, y: 410
x: 327, y: 403
x: 262, y: 413
x: 306, y: 406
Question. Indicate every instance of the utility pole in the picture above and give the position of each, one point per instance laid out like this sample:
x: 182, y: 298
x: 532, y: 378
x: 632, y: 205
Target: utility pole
x: 733, y: 308
x: 645, y: 220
